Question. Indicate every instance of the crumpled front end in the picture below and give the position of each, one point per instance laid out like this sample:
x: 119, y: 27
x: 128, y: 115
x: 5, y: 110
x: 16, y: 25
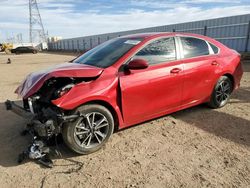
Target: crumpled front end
x: 36, y: 80
x: 45, y: 117
x: 38, y: 91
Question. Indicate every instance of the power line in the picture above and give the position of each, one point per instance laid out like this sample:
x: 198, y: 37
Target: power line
x: 36, y: 25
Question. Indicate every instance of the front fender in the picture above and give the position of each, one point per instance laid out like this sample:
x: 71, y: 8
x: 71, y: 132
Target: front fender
x: 98, y: 90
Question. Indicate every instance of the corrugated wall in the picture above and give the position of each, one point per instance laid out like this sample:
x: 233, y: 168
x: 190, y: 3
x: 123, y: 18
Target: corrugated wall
x: 232, y: 31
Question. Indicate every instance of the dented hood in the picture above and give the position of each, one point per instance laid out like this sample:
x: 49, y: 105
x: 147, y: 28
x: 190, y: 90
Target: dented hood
x: 34, y: 81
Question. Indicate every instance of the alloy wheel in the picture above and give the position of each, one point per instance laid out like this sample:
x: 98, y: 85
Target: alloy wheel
x: 91, y: 130
x: 223, y: 92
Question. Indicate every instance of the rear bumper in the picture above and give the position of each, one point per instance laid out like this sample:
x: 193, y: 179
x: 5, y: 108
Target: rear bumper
x: 12, y: 106
x: 238, y: 73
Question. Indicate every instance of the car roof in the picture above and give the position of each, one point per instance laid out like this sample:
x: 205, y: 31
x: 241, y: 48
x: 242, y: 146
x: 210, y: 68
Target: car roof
x: 152, y: 35
x: 25, y: 47
x: 162, y: 34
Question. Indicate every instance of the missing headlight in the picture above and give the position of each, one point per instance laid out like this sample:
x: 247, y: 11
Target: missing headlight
x: 62, y: 91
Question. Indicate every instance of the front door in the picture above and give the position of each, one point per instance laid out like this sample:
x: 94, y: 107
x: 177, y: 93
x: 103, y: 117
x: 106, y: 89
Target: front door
x: 156, y: 89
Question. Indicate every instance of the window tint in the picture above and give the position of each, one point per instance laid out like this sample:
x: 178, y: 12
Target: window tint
x: 162, y: 50
x: 193, y: 47
x: 215, y: 49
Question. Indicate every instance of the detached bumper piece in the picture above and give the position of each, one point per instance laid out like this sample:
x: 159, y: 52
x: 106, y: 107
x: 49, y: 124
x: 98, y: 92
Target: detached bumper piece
x: 37, y: 150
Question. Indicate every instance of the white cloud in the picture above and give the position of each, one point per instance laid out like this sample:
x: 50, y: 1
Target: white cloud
x: 61, y: 19
x: 210, y: 1
x: 79, y: 24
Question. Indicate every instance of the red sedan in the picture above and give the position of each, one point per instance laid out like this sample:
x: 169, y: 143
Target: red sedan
x: 126, y: 81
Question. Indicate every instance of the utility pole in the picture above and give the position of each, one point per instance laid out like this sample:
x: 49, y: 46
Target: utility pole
x: 36, y: 25
x: 19, y: 38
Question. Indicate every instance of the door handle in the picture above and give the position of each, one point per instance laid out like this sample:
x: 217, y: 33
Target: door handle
x: 214, y: 63
x: 175, y: 70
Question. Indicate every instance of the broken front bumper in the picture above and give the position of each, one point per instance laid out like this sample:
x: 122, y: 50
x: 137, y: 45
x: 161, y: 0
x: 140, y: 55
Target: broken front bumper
x: 42, y: 129
x: 42, y: 126
x: 45, y: 124
x: 37, y: 150
x: 10, y: 105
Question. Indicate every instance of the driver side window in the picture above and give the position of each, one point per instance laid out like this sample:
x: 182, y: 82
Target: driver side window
x: 158, y: 51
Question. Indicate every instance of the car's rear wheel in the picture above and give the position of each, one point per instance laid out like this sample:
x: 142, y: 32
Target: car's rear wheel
x: 90, y: 131
x: 221, y: 93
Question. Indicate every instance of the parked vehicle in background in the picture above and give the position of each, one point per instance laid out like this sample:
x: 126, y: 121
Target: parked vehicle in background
x: 24, y: 49
x: 6, y: 47
x: 126, y: 81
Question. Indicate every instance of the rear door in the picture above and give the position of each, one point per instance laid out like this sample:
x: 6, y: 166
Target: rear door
x: 21, y: 50
x: 156, y: 89
x: 200, y: 69
x: 26, y: 50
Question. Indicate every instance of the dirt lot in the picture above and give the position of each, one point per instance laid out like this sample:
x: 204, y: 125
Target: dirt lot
x: 197, y: 147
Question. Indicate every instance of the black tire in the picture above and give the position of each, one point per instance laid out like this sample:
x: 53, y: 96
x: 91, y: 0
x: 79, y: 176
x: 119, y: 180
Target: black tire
x: 70, y: 130
x: 221, y: 93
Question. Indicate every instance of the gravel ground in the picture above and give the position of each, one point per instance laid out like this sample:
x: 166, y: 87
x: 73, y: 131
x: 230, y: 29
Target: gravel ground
x: 197, y: 147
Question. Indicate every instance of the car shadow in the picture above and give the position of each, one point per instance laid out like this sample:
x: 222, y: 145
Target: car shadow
x: 246, y: 66
x: 242, y: 95
x: 221, y: 124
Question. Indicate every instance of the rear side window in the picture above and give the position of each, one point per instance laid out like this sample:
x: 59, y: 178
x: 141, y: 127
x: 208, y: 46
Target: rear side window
x: 193, y: 47
x: 215, y: 49
x: 159, y: 51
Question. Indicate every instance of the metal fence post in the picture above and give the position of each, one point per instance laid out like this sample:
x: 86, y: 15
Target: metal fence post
x: 247, y: 37
x: 90, y: 43
x: 84, y: 45
x: 78, y: 46
x: 205, y: 30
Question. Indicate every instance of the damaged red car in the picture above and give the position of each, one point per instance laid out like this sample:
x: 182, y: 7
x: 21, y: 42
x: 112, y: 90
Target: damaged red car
x: 126, y: 81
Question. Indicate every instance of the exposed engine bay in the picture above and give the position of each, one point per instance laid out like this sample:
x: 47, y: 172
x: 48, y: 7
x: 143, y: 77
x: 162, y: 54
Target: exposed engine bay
x: 45, y: 119
x: 48, y: 118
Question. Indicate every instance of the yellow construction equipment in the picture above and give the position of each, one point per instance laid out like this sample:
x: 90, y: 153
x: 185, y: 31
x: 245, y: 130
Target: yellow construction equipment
x: 6, y: 47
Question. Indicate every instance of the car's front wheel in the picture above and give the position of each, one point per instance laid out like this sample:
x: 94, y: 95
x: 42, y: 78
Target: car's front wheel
x: 90, y: 131
x: 221, y: 93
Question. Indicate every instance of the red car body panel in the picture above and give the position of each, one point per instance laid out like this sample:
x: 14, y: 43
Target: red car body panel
x: 148, y: 92
x: 141, y: 95
x: 34, y: 81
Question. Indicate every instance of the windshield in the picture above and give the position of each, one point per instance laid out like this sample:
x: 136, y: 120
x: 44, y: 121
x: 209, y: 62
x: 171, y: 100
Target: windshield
x: 107, y: 53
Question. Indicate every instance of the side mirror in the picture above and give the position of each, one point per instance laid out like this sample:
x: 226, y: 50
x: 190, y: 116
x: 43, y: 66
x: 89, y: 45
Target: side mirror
x: 137, y: 64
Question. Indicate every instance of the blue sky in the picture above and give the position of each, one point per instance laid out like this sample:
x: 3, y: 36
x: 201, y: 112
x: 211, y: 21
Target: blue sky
x: 73, y: 18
